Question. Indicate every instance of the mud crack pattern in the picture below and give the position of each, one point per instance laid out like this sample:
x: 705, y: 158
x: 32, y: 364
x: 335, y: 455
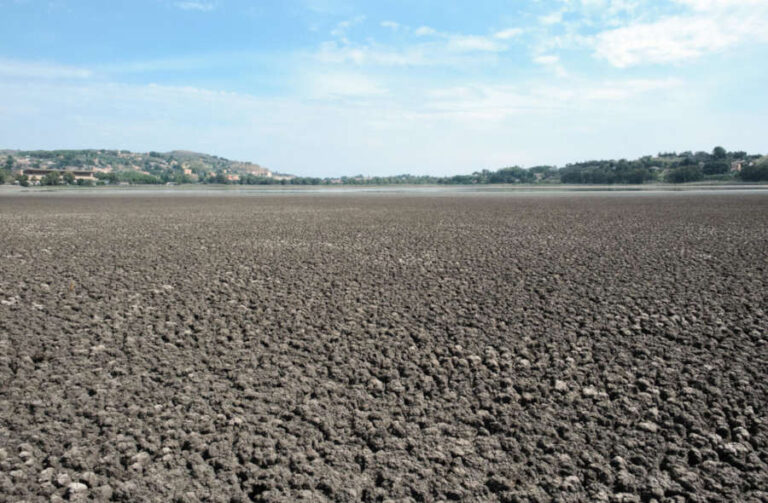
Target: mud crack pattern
x: 372, y: 348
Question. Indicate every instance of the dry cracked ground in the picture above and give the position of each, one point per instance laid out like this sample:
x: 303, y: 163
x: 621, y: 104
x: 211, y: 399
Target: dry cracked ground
x: 529, y: 348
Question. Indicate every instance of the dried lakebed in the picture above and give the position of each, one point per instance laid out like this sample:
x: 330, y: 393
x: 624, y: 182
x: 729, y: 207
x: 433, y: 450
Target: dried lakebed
x: 384, y: 347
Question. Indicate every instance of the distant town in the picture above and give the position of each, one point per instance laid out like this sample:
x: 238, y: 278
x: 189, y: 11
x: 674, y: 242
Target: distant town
x: 101, y: 167
x: 121, y: 167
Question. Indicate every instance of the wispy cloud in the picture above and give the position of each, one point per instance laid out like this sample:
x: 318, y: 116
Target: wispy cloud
x: 468, y: 43
x: 496, y: 102
x: 440, y: 49
x: 195, y: 5
x: 711, y: 26
x: 423, y: 31
x: 546, y: 59
x: 628, y: 89
x: 551, y: 18
x: 391, y: 25
x: 666, y: 41
x: 423, y: 46
x: 41, y: 70
x: 177, y: 64
x: 711, y: 5
x: 343, y: 85
x: 341, y: 28
x: 509, y: 33
x: 335, y: 53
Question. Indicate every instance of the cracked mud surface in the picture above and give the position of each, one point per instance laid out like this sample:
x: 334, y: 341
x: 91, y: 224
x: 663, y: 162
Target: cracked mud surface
x: 371, y: 348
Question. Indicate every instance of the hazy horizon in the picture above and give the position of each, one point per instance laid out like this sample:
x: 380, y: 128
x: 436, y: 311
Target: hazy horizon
x: 331, y: 87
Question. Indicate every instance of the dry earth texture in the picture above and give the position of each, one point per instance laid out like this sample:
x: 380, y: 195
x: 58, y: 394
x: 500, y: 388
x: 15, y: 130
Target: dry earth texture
x: 372, y: 348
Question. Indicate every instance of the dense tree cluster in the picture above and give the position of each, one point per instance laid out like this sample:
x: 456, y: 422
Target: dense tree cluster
x: 609, y: 172
x: 52, y: 178
x: 670, y: 167
x: 755, y: 173
x: 250, y: 179
x: 6, y: 169
x: 685, y: 174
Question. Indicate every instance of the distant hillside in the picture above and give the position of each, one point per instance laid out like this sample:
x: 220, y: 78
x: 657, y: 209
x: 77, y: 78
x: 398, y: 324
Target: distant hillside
x: 151, y: 167
x: 99, y: 167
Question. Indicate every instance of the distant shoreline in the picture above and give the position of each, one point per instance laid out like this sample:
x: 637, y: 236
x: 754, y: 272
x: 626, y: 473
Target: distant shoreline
x: 416, y: 189
x: 122, y: 167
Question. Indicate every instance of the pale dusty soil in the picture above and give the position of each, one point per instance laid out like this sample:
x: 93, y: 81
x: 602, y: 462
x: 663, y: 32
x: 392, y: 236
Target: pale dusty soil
x: 365, y: 348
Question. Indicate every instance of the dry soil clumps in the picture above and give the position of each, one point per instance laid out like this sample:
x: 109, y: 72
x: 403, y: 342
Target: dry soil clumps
x: 347, y: 348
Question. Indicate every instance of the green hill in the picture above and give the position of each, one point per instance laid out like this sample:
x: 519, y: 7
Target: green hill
x: 177, y: 165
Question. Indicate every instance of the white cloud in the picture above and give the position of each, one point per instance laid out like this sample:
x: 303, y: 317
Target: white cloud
x: 552, y: 18
x: 193, y: 5
x: 546, y: 59
x: 710, y: 5
x: 331, y: 52
x: 713, y: 26
x: 391, y: 25
x: 552, y: 62
x: 343, y: 85
x: 508, y: 33
x: 40, y: 70
x: 177, y: 64
x: 445, y: 50
x: 468, y: 43
x: 669, y: 40
x: 497, y: 102
x: 440, y: 49
x: 480, y: 102
x: 423, y: 31
x: 624, y: 90
x: 594, y: 4
x: 341, y: 28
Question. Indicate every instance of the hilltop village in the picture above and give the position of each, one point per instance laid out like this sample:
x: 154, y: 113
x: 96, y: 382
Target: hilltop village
x: 97, y: 167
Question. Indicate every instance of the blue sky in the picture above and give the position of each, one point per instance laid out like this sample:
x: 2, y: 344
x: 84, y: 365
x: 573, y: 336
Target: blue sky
x: 336, y: 87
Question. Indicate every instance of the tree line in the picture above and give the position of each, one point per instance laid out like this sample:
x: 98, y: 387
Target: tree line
x: 668, y: 167
x: 671, y: 167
